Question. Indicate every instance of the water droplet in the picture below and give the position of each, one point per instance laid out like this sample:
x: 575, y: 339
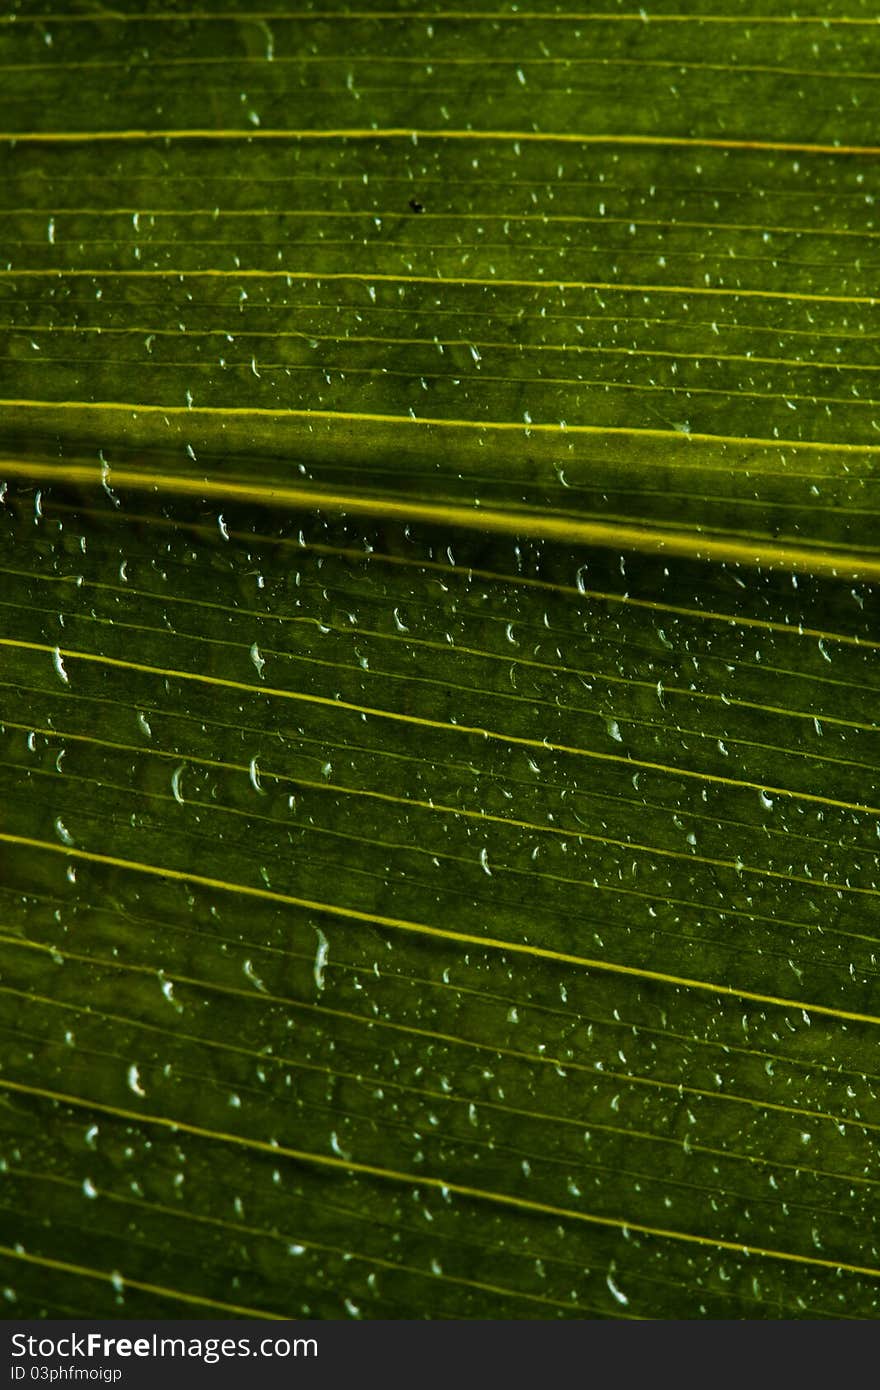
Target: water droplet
x: 253, y: 976
x: 59, y: 665
x: 321, y: 955
x: 270, y: 40
x: 337, y: 1147
x: 618, y: 1293
x: 254, y: 774
x: 134, y: 1080
x: 63, y: 833
x: 175, y: 783
x: 167, y: 989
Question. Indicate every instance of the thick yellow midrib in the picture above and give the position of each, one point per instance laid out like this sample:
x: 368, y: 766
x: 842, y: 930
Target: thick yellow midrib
x: 858, y: 564
x: 450, y: 573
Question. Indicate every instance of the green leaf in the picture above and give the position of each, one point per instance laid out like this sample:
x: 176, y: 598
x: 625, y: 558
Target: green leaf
x: 438, y: 662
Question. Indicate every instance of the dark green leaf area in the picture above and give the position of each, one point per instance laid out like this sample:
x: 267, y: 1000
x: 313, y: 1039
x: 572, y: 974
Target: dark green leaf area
x: 372, y: 902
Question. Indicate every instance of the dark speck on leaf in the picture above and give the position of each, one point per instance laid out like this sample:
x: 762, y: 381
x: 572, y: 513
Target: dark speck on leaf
x: 416, y: 205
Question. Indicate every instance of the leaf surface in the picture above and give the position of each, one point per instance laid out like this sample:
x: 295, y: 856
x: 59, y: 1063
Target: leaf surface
x: 438, y: 662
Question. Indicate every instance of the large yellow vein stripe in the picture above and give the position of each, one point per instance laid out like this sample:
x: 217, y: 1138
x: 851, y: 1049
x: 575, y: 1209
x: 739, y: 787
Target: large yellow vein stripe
x: 49, y: 1262
x: 378, y: 557
x: 435, y: 281
x: 444, y: 934
x: 403, y: 133
x: 26, y: 466
x: 639, y: 17
x: 582, y: 531
x: 443, y: 1185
